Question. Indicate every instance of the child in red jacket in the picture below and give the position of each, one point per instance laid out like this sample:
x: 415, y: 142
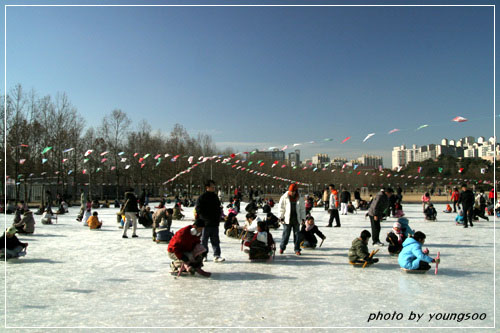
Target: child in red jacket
x: 186, y: 251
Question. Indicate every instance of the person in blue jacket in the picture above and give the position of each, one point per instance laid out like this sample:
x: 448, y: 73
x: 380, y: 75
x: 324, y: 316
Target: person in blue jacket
x: 412, y: 257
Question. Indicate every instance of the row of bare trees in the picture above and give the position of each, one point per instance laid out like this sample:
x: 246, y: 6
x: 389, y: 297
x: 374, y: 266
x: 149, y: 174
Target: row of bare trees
x: 34, y: 122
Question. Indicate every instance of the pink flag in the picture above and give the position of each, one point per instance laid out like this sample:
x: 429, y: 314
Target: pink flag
x: 157, y: 156
x: 113, y: 167
x: 142, y: 165
x: 394, y: 130
x: 141, y: 159
x: 84, y: 171
x: 104, y: 153
x: 104, y: 160
x: 64, y: 160
x: 21, y: 161
x: 88, y: 152
x: 346, y: 139
x: 135, y: 154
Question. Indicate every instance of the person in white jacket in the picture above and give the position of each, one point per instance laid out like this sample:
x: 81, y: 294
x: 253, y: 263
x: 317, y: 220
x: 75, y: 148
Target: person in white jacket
x: 292, y: 210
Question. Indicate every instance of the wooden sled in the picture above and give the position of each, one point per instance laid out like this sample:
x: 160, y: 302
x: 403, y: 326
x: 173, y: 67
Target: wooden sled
x: 414, y: 271
x: 359, y: 264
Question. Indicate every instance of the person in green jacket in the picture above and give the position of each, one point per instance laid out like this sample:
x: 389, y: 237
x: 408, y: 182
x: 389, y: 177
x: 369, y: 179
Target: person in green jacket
x: 358, y: 253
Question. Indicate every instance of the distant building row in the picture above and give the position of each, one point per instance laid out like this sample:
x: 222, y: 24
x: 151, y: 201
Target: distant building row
x: 465, y: 147
x: 318, y: 160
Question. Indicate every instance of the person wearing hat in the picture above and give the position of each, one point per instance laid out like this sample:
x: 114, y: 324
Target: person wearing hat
x: 376, y: 213
x: 292, y: 211
x: 405, y: 227
x: 186, y: 251
x: 395, y: 238
x: 15, y: 248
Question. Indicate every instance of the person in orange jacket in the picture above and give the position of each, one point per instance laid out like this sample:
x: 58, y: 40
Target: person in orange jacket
x: 333, y: 209
x: 94, y: 222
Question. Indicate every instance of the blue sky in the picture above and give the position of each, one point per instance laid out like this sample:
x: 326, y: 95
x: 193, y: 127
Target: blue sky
x: 267, y: 76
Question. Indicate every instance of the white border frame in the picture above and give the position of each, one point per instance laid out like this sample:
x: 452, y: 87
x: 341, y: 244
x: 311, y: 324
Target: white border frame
x: 258, y: 327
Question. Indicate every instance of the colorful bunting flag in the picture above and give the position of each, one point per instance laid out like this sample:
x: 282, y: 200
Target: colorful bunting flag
x: 46, y: 149
x: 368, y: 136
x: 346, y: 139
x: 459, y: 119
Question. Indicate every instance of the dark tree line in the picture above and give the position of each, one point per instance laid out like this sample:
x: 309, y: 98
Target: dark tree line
x: 34, y: 122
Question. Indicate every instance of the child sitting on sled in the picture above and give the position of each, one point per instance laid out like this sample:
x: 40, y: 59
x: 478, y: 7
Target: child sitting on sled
x: 262, y: 245
x: 94, y: 223
x: 459, y: 219
x: 231, y: 226
x: 430, y: 213
x: 272, y: 221
x: 307, y: 232
x: 395, y: 238
x: 186, y: 251
x: 448, y: 209
x: 412, y: 257
x: 47, y: 217
x: 15, y: 248
x: 358, y: 253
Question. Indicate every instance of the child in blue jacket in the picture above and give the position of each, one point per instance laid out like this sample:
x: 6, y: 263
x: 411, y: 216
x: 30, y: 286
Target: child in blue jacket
x: 412, y: 257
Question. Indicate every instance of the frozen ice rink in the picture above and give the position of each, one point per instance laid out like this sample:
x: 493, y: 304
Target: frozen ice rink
x: 74, y: 277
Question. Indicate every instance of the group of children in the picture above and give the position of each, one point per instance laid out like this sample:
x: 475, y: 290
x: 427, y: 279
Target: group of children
x: 403, y: 242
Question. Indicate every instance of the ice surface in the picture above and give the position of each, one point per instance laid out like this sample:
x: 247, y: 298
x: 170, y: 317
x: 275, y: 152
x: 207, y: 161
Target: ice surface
x: 74, y: 277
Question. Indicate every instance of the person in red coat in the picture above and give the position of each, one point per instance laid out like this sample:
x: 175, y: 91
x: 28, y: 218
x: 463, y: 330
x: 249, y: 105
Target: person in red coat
x: 186, y: 251
x: 454, y: 198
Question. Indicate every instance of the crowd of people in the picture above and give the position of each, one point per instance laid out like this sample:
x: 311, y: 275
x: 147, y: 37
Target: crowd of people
x: 188, y: 247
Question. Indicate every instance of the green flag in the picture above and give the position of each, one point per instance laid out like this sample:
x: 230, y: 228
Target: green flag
x: 46, y: 149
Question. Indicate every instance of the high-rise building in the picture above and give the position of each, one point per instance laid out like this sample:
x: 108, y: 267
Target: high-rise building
x: 372, y: 161
x: 465, y: 147
x: 294, y: 158
x: 275, y: 155
x: 320, y: 160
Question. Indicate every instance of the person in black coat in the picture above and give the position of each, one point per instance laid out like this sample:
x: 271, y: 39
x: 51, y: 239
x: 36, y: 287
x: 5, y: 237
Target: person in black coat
x: 307, y: 232
x: 130, y: 209
x: 15, y: 248
x: 208, y: 209
x: 466, y: 199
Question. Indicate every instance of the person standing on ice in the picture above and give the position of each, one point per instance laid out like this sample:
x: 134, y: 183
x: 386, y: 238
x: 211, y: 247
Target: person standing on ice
x: 376, y: 213
x: 130, y: 209
x: 345, y: 197
x: 208, y: 209
x: 83, y: 201
x: 334, y: 207
x: 467, y: 201
x: 326, y: 196
x: 454, y: 198
x: 292, y: 211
